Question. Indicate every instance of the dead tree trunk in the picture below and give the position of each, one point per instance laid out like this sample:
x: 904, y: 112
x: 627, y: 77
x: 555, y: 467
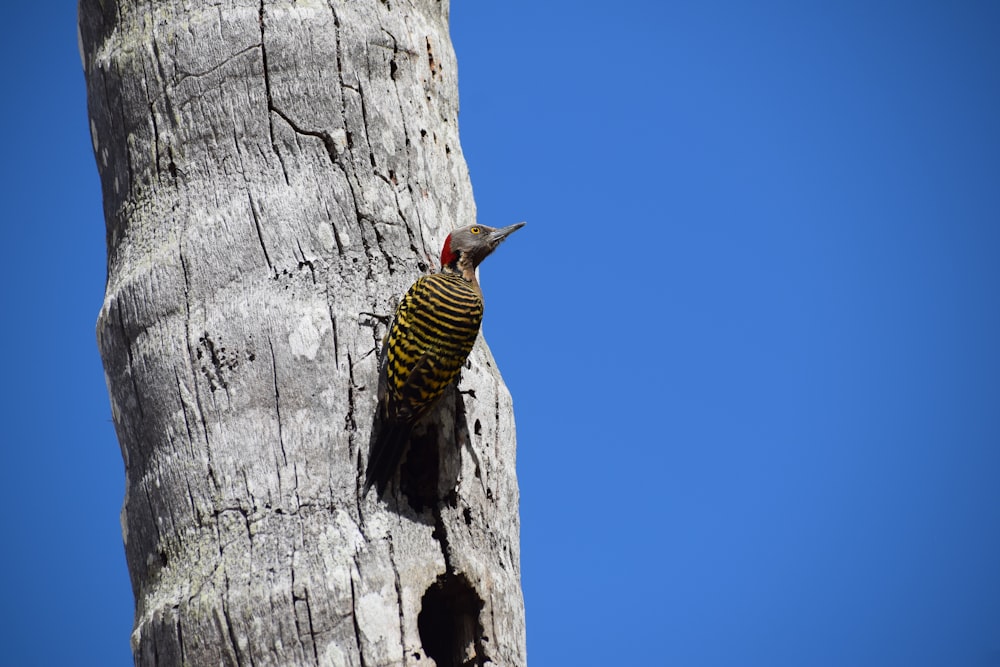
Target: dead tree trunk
x: 274, y: 175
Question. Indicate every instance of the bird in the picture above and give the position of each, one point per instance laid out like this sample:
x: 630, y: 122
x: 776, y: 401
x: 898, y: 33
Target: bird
x: 430, y: 337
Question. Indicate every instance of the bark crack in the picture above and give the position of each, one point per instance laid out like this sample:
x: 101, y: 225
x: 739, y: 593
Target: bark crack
x: 305, y: 262
x: 312, y: 629
x: 328, y: 141
x: 230, y: 631
x: 267, y: 77
x: 188, y: 75
x: 184, y: 409
x: 354, y: 617
x: 380, y: 242
x: 350, y: 424
x: 365, y: 124
x: 260, y: 232
x: 253, y: 205
x: 180, y: 633
x: 336, y: 342
x: 399, y: 598
x: 336, y: 234
x: 194, y: 507
x: 156, y: 140
x: 277, y: 401
x: 304, y: 599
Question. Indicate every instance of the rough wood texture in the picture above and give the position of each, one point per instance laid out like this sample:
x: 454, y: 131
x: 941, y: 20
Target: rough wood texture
x: 275, y: 174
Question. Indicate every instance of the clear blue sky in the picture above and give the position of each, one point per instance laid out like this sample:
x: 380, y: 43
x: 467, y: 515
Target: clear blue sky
x: 752, y: 331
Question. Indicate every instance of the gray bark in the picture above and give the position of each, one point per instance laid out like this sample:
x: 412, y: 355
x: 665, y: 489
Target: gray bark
x: 274, y: 175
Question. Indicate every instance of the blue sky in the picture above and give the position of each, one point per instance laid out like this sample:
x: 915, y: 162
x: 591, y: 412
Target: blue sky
x: 751, y: 331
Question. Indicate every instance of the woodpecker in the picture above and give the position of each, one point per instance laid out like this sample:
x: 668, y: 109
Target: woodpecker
x: 431, y: 335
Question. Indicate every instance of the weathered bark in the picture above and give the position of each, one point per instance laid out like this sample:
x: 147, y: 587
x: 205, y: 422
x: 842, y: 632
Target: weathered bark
x: 274, y: 175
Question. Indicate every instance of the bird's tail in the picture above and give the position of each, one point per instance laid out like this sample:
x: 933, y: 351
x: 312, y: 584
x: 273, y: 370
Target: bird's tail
x: 386, y: 453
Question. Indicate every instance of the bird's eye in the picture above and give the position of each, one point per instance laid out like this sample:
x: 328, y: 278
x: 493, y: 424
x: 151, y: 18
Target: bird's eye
x: 474, y: 230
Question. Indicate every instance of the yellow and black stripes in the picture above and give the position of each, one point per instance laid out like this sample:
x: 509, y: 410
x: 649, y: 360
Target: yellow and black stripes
x: 435, y: 327
x: 432, y: 333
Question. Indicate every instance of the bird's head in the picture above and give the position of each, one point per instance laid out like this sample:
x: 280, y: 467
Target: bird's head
x: 468, y: 246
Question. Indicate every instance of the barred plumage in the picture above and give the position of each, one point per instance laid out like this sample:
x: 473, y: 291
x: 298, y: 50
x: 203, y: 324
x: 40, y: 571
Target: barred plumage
x: 434, y: 329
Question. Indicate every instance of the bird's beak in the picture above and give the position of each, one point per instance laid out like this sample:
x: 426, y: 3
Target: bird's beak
x: 498, y: 235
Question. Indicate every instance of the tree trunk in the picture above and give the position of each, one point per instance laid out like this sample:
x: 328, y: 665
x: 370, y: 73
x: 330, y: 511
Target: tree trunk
x: 275, y: 175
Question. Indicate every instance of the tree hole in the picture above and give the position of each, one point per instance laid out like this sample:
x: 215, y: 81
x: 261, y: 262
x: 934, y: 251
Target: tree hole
x: 450, y: 629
